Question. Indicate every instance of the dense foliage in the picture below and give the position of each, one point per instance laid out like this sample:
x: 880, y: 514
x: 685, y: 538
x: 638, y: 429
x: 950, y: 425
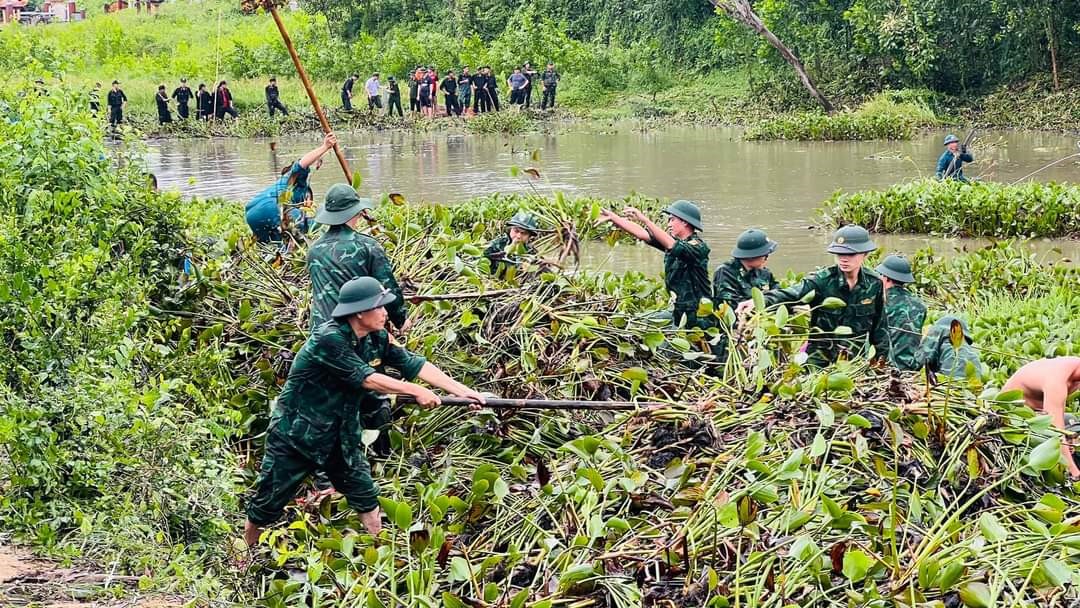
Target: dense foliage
x: 1029, y: 209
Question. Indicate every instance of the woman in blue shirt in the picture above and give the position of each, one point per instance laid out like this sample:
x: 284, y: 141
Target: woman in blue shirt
x: 264, y: 212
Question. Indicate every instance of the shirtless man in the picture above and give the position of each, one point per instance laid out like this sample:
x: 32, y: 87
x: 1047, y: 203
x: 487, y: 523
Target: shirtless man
x: 1046, y: 385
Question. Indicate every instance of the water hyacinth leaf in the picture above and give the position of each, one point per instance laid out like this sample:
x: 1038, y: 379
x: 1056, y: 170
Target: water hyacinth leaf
x: 781, y: 317
x: 357, y: 180
x: 929, y: 569
x: 396, y: 198
x: 519, y: 599
x: 459, y: 569
x: 833, y: 303
x: 758, y: 298
x: 826, y: 415
x: 369, y: 436
x: 840, y: 382
x: 793, y: 461
x: 843, y: 330
x: 819, y: 446
x: 976, y: 595
x: 403, y: 515
x: 949, y: 575
x: 856, y: 565
x: 515, y: 170
x: 1057, y: 572
x: 491, y: 592
x: 766, y: 494
x: 809, y: 297
x: 575, y: 575
x: 755, y: 444
x: 704, y: 307
x: 728, y: 516
x: 857, y: 421
x: 451, y: 601
x: 804, y: 549
x: 1009, y: 396
x: 636, y: 374
x: 1046, y: 455
x: 991, y: 528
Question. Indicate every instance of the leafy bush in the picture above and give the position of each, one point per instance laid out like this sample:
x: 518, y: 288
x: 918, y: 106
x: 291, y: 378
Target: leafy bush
x: 951, y: 207
x: 879, y: 118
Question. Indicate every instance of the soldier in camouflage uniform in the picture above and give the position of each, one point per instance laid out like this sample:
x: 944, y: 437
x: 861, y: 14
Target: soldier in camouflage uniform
x: 735, y: 279
x: 341, y: 366
x: 904, y: 312
x: 686, y: 256
x: 937, y: 354
x: 860, y: 290
x: 343, y: 253
x: 504, y: 250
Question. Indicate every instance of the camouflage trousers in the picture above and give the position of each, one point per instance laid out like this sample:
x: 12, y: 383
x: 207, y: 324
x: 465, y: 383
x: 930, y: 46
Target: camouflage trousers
x: 284, y: 469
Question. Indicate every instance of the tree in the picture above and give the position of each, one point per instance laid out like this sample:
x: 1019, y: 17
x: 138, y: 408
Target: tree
x: 743, y: 12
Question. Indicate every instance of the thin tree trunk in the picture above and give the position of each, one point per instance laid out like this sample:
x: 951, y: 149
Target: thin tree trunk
x: 741, y: 11
x: 1053, y: 49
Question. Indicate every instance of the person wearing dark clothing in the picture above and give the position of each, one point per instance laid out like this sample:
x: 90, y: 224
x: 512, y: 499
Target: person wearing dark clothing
x: 951, y: 163
x: 182, y: 94
x: 346, y: 92
x: 492, y: 89
x: 393, y: 98
x: 95, y: 99
x: 223, y: 102
x: 424, y: 93
x: 116, y: 100
x: 480, y: 97
x: 162, y: 99
x: 517, y: 83
x: 464, y: 88
x: 549, y: 80
x: 414, y: 91
x: 449, y: 87
x: 273, y: 100
x: 204, y: 103
x: 531, y: 74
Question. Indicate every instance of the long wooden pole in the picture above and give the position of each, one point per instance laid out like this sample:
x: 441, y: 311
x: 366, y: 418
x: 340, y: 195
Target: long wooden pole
x: 546, y: 404
x: 307, y: 87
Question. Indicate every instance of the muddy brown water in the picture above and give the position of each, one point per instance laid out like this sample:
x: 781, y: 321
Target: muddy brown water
x: 772, y: 185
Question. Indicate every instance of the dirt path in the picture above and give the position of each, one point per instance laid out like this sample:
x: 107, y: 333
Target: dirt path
x: 28, y: 581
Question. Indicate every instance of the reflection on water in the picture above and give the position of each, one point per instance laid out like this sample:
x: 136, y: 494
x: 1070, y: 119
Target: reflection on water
x: 772, y: 185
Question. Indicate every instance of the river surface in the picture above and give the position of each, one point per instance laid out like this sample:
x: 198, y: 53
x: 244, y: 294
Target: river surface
x: 772, y: 185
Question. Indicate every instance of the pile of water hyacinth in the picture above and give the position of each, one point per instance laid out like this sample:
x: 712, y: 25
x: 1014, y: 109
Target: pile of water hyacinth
x: 760, y: 484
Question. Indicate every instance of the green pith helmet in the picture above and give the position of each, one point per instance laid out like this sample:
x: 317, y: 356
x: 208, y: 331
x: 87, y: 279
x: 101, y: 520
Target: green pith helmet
x: 950, y: 138
x: 753, y: 243
x: 361, y: 294
x: 342, y: 204
x: 851, y: 239
x: 897, y: 268
x: 944, y: 324
x: 686, y: 211
x: 525, y: 221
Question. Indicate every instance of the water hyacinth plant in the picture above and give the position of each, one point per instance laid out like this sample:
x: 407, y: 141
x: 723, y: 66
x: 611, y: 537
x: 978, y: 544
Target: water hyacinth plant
x: 880, y: 118
x: 961, y: 209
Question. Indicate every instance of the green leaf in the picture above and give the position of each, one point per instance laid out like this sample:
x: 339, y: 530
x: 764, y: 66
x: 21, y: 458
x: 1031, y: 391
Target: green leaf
x: 759, y: 299
x: 1057, y: 572
x: 809, y: 297
x: 976, y: 595
x: 491, y: 592
x: 991, y: 528
x: 840, y: 382
x: 856, y: 565
x: 819, y: 446
x: 459, y: 569
x: 519, y: 599
x: 357, y: 180
x: 1046, y: 455
x: 949, y: 575
x: 403, y: 515
x: 451, y: 601
x: 833, y: 303
x: 804, y: 549
x: 858, y: 421
x: 755, y: 444
x: 636, y: 374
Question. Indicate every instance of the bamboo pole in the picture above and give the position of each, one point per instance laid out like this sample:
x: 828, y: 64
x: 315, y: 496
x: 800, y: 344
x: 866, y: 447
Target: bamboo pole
x: 545, y: 404
x: 307, y: 87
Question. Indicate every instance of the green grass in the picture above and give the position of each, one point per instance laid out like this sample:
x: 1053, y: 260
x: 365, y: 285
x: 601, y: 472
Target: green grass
x: 882, y: 117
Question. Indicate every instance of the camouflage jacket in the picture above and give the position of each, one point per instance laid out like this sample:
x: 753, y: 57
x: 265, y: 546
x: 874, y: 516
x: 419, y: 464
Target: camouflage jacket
x: 343, y: 254
x: 864, y: 313
x: 938, y: 355
x: 322, y: 398
x: 686, y: 274
x: 500, y: 258
x: 732, y: 282
x: 905, y: 314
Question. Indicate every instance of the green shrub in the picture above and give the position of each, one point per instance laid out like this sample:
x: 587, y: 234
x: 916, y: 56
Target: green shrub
x: 882, y: 117
x: 951, y: 207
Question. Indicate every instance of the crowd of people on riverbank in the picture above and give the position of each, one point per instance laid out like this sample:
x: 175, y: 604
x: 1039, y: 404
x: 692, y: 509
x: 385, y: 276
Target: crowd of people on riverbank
x: 463, y: 93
